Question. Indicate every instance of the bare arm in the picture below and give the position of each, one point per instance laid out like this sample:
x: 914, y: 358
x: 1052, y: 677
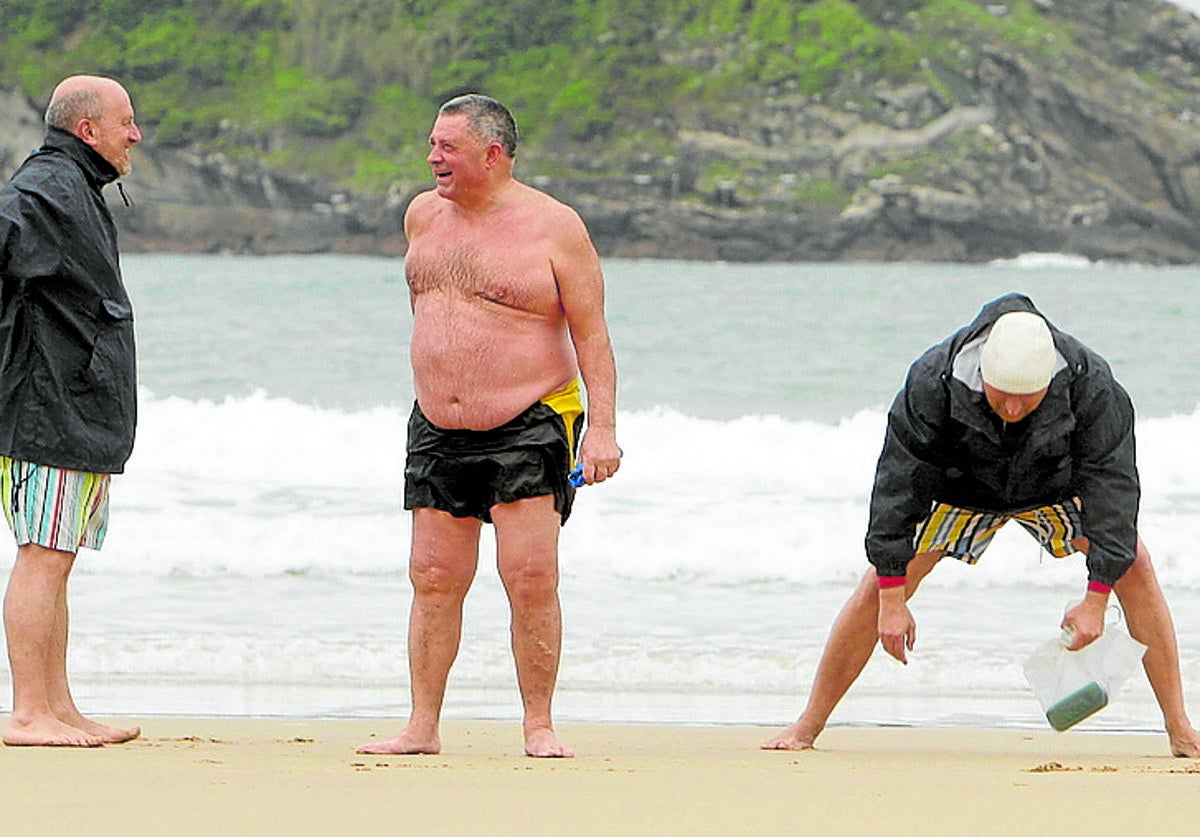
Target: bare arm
x: 581, y: 290
x: 414, y: 223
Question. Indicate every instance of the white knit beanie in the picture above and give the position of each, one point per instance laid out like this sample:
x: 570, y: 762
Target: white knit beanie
x: 1019, y: 356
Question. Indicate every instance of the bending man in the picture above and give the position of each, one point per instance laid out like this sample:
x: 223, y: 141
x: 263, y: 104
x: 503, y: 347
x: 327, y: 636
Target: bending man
x: 1007, y: 419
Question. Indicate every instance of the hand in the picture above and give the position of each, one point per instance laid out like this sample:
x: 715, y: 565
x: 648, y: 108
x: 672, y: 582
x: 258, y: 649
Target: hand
x: 897, y: 628
x: 1085, y: 621
x: 599, y: 454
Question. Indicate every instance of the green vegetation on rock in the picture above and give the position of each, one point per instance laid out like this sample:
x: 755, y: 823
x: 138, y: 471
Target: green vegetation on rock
x: 345, y: 90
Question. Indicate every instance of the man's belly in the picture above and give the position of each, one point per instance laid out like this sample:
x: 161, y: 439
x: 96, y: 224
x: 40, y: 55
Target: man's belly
x: 477, y: 365
x: 478, y: 394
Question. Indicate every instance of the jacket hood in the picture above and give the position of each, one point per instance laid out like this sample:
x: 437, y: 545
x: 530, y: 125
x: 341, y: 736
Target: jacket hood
x: 995, y: 309
x: 969, y: 342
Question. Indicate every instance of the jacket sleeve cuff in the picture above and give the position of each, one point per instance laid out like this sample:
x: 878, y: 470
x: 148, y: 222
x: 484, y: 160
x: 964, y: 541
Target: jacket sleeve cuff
x: 1099, y: 587
x: 888, y: 581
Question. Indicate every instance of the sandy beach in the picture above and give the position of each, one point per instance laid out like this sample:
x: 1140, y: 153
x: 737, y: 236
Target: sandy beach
x: 289, y: 776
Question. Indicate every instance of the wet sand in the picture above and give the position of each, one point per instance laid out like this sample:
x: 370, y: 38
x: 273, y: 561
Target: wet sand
x: 231, y: 776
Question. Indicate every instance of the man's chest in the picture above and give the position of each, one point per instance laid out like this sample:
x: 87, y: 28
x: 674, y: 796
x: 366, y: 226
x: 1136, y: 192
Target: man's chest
x: 501, y: 272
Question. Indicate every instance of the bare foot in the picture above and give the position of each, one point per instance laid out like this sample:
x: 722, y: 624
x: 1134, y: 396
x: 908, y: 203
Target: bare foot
x: 72, y: 717
x: 1186, y: 745
x: 47, y: 732
x: 407, y: 743
x: 107, y: 734
x: 795, y: 737
x: 542, y: 743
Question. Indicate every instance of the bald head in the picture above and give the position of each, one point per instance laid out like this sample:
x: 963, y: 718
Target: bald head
x: 98, y: 111
x: 79, y: 97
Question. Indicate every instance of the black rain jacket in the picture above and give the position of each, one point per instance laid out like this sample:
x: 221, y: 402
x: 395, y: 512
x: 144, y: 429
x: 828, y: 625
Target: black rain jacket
x: 68, y: 373
x: 945, y: 444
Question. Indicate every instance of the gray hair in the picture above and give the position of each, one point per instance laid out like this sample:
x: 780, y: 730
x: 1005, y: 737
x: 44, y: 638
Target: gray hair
x: 488, y: 119
x: 65, y: 111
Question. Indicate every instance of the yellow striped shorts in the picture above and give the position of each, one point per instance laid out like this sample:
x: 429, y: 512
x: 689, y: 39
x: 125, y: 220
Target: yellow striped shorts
x: 965, y: 534
x: 53, y: 507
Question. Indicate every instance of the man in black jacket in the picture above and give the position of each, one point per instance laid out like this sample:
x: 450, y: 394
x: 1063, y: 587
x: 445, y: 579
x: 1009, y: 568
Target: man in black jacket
x: 1007, y: 419
x: 68, y: 400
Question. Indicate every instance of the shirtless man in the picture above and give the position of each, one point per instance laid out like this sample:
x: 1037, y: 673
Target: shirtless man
x: 508, y: 311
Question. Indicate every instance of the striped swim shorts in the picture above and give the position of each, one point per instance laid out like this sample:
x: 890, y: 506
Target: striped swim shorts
x: 53, y: 507
x: 965, y: 534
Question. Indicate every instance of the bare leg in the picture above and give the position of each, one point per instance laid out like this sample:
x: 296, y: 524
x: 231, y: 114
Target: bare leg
x: 445, y: 553
x: 1150, y: 623
x: 850, y: 645
x: 37, y: 589
x: 59, y: 690
x: 527, y: 554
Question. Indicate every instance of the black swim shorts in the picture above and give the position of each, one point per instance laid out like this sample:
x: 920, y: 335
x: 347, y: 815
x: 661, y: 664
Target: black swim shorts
x: 466, y: 472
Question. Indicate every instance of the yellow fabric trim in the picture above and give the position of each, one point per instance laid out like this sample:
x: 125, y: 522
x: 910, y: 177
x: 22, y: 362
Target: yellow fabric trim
x: 568, y: 403
x: 6, y: 489
x: 1052, y: 525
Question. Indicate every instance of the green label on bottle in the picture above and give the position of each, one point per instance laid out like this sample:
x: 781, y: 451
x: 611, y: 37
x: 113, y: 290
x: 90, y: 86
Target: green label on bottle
x: 1076, y: 706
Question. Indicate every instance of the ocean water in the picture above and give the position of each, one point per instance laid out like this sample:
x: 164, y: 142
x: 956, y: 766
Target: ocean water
x: 256, y: 560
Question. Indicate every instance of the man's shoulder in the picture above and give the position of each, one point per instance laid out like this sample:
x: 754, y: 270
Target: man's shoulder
x: 543, y: 211
x: 421, y: 203
x: 936, y: 361
x: 928, y: 380
x: 32, y: 183
x: 541, y: 199
x: 1091, y: 373
x: 421, y: 211
x: 46, y: 174
x: 9, y: 197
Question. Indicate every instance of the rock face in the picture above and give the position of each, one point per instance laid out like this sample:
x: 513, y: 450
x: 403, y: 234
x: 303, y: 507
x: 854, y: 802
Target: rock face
x: 1083, y: 163
x: 1095, y: 154
x: 190, y: 203
x: 185, y: 202
x: 21, y: 130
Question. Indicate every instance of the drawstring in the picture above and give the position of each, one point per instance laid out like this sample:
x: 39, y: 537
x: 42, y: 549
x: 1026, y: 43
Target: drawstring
x: 19, y: 474
x: 124, y: 197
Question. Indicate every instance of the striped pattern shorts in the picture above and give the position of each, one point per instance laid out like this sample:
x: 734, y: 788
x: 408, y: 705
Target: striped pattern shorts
x: 53, y: 507
x: 965, y: 534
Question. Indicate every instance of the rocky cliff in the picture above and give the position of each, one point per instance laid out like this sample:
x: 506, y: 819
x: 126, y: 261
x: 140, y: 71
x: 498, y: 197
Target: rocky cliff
x: 184, y: 201
x: 1092, y: 151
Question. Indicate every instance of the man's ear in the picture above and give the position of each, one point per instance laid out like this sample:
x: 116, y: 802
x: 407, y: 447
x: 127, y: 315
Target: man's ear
x: 494, y: 152
x: 85, y: 129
